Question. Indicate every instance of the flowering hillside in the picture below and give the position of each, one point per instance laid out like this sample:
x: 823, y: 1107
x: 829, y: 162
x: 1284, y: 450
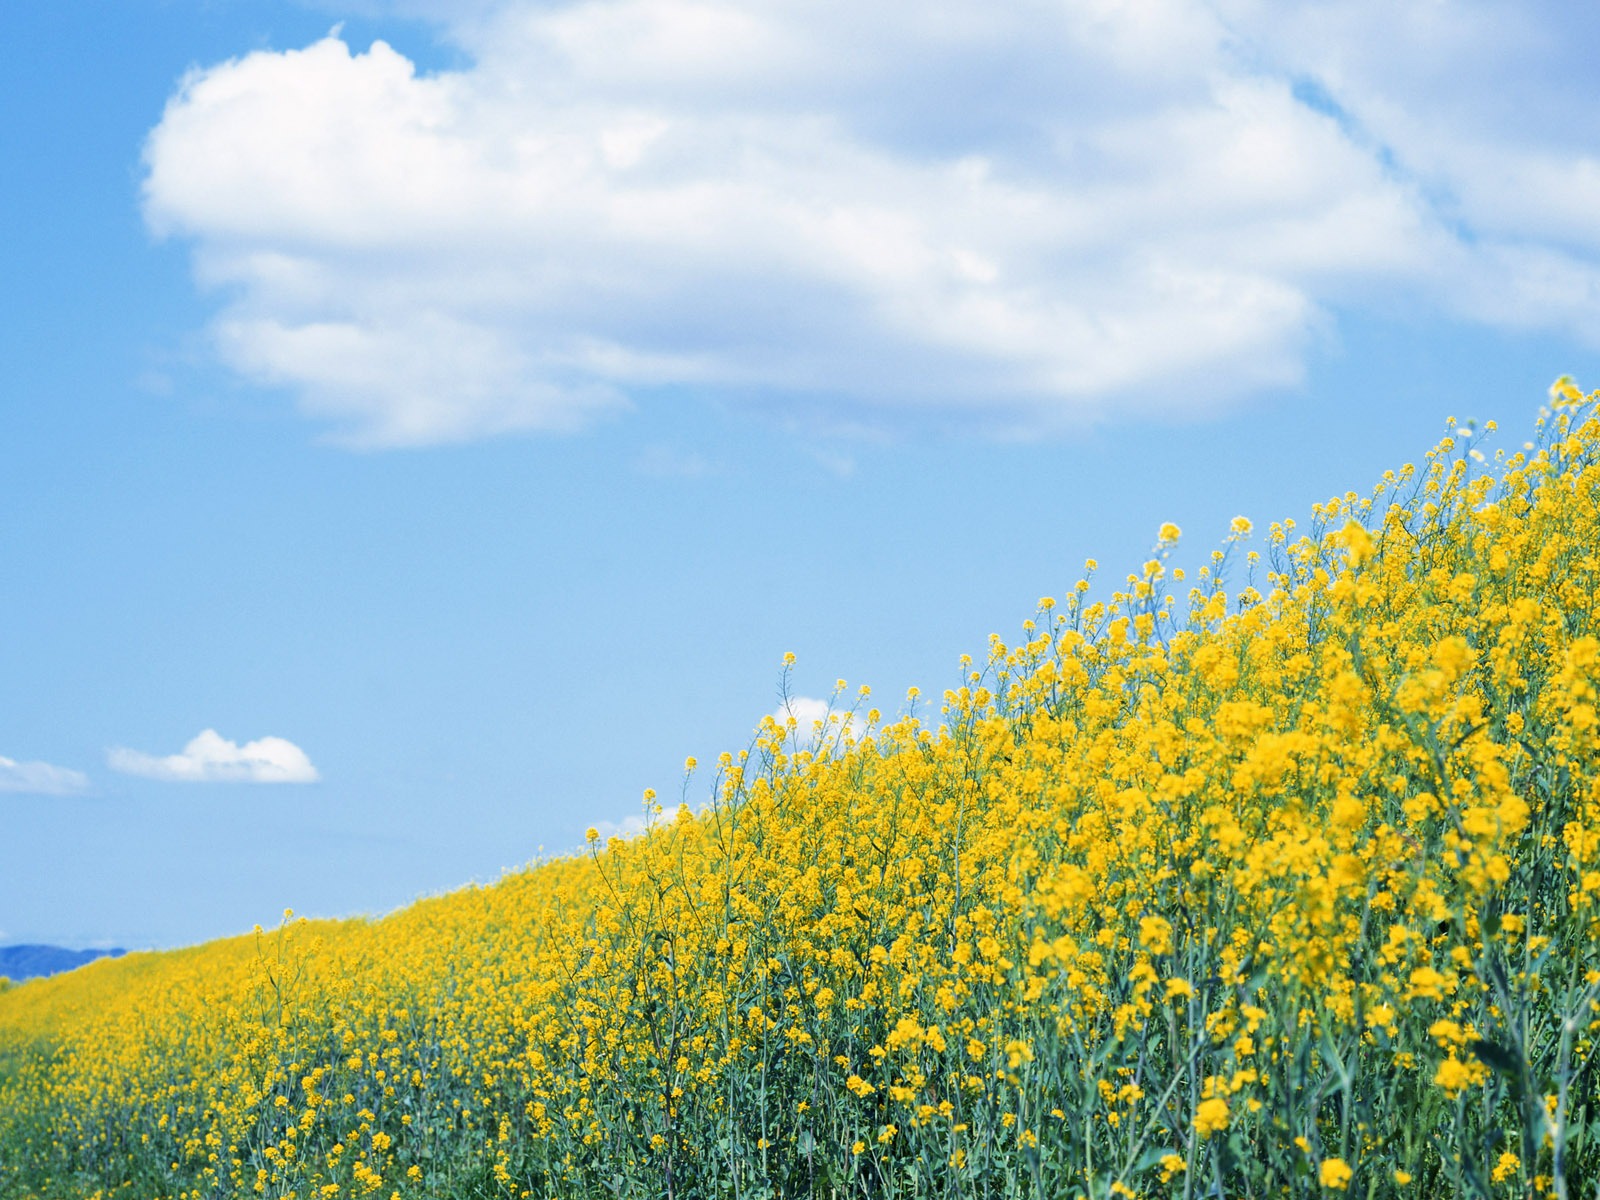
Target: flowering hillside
x: 1282, y: 879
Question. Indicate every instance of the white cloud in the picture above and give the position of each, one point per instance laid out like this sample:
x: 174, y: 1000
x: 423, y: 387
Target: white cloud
x: 40, y: 778
x: 817, y: 723
x: 628, y: 827
x: 211, y: 758
x: 1015, y: 217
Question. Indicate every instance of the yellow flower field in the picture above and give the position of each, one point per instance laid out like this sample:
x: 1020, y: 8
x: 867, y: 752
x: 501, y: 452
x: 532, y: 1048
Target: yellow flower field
x: 1279, y: 879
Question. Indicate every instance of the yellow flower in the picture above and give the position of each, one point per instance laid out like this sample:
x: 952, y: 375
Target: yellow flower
x: 1508, y: 1165
x: 1455, y: 1076
x: 1155, y: 934
x: 1211, y: 1116
x: 1334, y: 1173
x: 1358, y: 542
x: 1323, y: 772
x: 1429, y: 984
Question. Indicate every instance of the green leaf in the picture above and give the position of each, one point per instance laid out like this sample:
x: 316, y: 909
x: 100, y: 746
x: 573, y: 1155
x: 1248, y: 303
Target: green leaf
x: 1489, y: 919
x: 1498, y: 1058
x: 1150, y: 1158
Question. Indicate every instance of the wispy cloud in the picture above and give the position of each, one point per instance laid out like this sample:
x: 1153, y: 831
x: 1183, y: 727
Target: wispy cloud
x: 211, y: 758
x: 1010, y: 217
x: 673, y: 462
x: 40, y: 778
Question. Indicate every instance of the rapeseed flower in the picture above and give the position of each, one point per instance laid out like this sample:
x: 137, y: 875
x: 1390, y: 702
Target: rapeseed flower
x: 1288, y: 864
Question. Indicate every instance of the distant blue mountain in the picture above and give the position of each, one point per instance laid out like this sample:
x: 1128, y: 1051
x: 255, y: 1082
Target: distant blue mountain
x: 31, y: 962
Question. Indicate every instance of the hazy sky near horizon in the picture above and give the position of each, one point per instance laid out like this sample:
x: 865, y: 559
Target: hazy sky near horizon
x: 424, y: 424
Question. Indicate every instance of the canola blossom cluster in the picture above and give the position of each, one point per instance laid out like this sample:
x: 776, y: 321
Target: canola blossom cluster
x: 1289, y: 890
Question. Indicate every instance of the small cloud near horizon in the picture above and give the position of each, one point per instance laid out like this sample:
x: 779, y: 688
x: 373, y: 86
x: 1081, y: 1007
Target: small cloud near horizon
x: 817, y: 722
x: 626, y: 828
x: 40, y: 779
x: 212, y: 758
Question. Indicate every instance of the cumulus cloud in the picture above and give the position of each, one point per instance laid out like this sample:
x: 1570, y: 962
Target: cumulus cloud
x: 1011, y: 217
x: 817, y: 723
x: 627, y: 827
x: 211, y: 758
x: 40, y: 778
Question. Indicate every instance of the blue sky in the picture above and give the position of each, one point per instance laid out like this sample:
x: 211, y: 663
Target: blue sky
x: 461, y: 428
